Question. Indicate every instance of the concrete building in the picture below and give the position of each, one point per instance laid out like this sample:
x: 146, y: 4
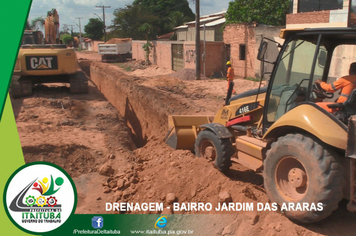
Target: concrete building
x: 242, y: 42
x: 180, y: 54
x: 323, y: 14
x: 210, y: 27
x: 319, y: 14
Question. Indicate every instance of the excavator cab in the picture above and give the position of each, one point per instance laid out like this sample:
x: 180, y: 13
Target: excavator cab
x: 32, y: 37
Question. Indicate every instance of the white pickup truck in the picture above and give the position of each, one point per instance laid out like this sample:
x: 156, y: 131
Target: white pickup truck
x: 115, y: 52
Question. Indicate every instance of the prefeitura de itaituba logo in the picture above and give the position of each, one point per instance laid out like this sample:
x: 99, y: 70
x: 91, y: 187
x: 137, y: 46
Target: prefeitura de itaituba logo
x: 39, y: 195
x: 43, y: 207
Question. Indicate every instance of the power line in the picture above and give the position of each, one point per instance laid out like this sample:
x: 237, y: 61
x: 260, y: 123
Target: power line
x: 104, y: 19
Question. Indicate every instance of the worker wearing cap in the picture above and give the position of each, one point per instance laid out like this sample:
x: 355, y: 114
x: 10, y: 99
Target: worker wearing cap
x: 345, y: 83
x: 230, y: 75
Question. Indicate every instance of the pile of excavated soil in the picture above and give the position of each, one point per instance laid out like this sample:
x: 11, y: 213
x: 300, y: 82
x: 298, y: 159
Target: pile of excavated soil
x: 187, y: 74
x: 151, y: 71
x: 76, y: 132
x: 118, y: 40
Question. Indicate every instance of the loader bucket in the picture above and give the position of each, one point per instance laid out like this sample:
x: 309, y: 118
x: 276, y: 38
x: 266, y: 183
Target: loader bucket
x: 182, y: 130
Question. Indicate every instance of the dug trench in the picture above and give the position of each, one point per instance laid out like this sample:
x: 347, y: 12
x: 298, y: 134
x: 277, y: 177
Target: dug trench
x: 161, y: 174
x: 111, y: 142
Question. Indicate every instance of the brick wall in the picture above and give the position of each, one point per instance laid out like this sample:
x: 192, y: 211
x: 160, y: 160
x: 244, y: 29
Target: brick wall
x: 308, y: 17
x: 215, y: 58
x: 137, y: 51
x: 189, y: 55
x: 161, y: 55
x: 95, y: 44
x: 241, y: 34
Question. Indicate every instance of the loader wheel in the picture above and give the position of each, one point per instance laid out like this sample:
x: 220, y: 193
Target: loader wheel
x: 299, y: 170
x: 209, y: 146
x: 78, y: 83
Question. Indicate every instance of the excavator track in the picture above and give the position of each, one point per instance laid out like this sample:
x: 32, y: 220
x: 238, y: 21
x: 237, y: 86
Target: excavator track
x: 21, y: 87
x: 78, y: 83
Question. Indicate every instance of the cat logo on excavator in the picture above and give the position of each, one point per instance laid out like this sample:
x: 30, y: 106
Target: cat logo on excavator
x: 41, y: 63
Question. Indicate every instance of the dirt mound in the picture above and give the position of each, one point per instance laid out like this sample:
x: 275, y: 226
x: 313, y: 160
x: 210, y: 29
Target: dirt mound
x: 187, y: 74
x: 151, y: 71
x: 74, y: 159
x: 119, y: 40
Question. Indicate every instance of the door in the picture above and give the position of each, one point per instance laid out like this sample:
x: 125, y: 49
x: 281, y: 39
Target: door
x: 177, y: 57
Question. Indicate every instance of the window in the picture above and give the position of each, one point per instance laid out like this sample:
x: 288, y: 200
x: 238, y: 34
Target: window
x: 242, y: 54
x: 319, y: 5
x: 293, y: 73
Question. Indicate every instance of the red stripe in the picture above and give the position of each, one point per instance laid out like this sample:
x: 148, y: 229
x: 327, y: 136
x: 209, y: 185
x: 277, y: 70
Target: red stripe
x: 239, y: 120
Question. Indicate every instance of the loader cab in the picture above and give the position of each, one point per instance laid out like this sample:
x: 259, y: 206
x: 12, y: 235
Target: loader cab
x: 306, y: 56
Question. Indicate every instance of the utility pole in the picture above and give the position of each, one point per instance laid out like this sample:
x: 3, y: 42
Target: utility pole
x: 104, y: 19
x: 80, y: 33
x: 197, y: 40
x: 71, y: 34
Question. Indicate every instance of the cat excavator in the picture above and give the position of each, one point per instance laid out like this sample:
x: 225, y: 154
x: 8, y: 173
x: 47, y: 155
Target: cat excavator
x: 46, y: 61
x: 306, y: 155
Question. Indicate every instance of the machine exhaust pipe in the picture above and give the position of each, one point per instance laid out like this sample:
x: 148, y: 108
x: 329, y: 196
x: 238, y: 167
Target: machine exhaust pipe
x: 229, y: 92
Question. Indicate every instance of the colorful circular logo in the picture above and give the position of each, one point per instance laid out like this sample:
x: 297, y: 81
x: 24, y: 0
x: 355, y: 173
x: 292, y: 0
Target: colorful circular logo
x: 39, y: 197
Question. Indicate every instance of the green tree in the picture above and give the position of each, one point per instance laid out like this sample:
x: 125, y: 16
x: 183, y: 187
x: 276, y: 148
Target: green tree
x: 128, y: 21
x: 67, y: 39
x: 94, y: 29
x: 270, y: 12
x: 171, y: 13
x: 146, y: 28
x: 162, y: 15
x: 37, y: 23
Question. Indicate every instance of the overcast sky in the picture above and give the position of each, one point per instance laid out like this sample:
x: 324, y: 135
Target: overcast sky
x: 69, y: 10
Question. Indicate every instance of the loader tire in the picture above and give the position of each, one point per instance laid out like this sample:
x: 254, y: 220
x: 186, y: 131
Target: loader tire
x: 298, y: 170
x: 21, y: 87
x: 78, y: 83
x: 208, y: 145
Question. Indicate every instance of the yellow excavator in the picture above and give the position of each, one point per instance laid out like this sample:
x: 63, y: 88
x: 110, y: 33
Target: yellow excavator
x: 306, y: 154
x: 46, y: 61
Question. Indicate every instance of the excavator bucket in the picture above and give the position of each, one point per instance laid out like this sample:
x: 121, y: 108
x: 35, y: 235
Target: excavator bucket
x: 183, y: 130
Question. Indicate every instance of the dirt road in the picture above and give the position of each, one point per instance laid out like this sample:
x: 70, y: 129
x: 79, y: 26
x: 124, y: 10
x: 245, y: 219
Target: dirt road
x: 110, y: 162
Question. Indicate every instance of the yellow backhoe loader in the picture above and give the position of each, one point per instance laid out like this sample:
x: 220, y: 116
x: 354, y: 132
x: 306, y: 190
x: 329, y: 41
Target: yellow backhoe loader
x: 306, y: 154
x: 50, y: 62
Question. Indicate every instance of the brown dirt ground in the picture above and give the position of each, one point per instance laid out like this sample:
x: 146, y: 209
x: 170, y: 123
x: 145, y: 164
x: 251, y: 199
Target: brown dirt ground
x: 88, y: 137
